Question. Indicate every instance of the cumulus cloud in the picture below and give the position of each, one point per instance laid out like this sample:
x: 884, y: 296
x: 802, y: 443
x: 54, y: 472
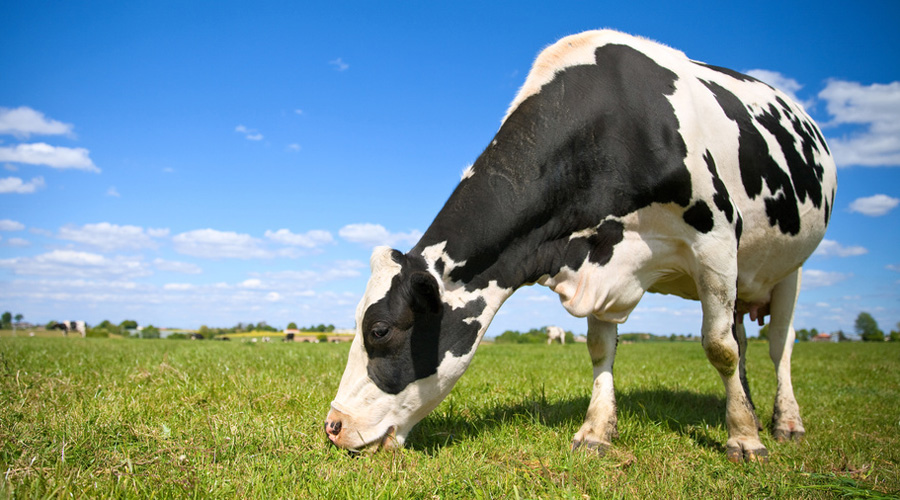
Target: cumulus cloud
x: 112, y: 191
x: 40, y: 153
x: 309, y: 239
x: 875, y: 108
x: 23, y: 122
x: 874, y: 206
x: 339, y: 64
x: 180, y: 287
x: 831, y: 248
x: 108, y: 236
x: 213, y: 244
x: 372, y: 235
x: 18, y: 186
x: 249, y: 133
x: 11, y: 225
x: 783, y: 83
x: 814, y: 278
x: 176, y: 266
x: 17, y: 242
x: 73, y: 264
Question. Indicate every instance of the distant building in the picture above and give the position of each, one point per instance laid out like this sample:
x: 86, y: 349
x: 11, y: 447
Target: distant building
x: 822, y: 337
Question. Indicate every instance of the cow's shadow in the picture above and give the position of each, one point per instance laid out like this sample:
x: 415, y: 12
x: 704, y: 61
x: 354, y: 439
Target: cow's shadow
x: 683, y: 412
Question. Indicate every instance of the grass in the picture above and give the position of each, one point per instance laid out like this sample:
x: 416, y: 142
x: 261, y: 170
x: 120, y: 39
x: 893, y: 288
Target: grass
x: 89, y: 418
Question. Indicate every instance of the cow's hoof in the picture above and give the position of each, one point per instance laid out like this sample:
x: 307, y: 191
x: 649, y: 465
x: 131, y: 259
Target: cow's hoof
x: 590, y: 446
x: 786, y: 435
x: 739, y: 454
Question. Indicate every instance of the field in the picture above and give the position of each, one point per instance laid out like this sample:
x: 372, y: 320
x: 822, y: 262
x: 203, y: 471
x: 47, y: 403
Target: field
x: 89, y: 418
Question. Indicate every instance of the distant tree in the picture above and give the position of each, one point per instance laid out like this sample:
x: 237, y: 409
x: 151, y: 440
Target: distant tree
x: 177, y: 336
x: 97, y: 332
x: 841, y: 336
x: 895, y: 334
x: 322, y: 338
x: 205, y: 331
x: 249, y: 327
x: 6, y: 320
x: 867, y: 328
x: 292, y: 326
x: 803, y: 334
x: 508, y: 337
x: 19, y: 318
x: 150, y: 332
x: 128, y: 324
x: 764, y: 332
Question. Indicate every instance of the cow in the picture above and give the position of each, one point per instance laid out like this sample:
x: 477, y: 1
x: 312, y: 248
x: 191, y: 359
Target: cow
x: 555, y: 333
x: 621, y: 167
x: 71, y: 326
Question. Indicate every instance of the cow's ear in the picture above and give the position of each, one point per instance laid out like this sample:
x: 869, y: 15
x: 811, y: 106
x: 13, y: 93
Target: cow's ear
x: 425, y: 296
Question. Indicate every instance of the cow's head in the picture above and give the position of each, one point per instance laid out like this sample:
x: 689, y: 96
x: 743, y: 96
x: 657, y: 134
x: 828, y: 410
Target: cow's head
x: 410, y: 349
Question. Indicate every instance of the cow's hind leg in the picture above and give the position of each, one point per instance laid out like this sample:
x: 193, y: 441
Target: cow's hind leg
x: 717, y: 295
x: 786, y: 423
x: 599, y: 426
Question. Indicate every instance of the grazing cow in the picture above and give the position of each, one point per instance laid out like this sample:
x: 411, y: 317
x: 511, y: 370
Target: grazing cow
x: 555, y: 333
x: 622, y: 167
x: 71, y: 326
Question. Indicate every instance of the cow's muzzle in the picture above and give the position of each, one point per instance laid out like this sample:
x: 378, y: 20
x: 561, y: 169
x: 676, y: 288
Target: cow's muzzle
x: 341, y: 433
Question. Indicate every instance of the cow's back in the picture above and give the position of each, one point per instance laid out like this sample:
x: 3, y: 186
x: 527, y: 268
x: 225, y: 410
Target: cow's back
x: 758, y: 165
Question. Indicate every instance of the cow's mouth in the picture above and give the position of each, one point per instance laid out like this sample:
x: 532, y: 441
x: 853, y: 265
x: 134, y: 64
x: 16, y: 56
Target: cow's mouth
x: 387, y: 441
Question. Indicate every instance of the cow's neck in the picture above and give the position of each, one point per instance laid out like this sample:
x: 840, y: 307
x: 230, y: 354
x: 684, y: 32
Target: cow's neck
x: 504, y: 226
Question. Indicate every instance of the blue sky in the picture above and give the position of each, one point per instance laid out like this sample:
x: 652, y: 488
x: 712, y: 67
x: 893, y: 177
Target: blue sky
x: 188, y: 163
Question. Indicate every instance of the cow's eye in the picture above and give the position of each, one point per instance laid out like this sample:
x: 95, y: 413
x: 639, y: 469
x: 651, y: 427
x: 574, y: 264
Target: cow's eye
x: 380, y: 330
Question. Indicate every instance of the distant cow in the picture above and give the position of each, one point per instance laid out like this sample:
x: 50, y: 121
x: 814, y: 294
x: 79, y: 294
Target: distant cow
x: 71, y: 326
x: 555, y: 333
x: 622, y: 167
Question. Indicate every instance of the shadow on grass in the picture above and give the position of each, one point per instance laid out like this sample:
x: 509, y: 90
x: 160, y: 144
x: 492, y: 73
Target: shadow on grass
x: 684, y: 412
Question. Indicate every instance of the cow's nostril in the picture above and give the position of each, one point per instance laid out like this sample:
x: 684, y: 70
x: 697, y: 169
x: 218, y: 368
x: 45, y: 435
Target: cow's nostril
x: 333, y: 428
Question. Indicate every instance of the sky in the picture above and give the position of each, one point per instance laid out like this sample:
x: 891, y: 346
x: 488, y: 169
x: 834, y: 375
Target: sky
x: 208, y: 163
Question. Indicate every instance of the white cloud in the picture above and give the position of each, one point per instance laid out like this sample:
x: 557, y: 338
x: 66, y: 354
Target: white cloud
x: 73, y: 264
x: 814, y: 278
x: 40, y: 153
x: 294, y: 147
x: 892, y: 267
x: 112, y: 236
x: 23, y: 121
x: 213, y: 244
x: 177, y: 267
x: 298, y: 111
x: 372, y: 235
x: 339, y: 64
x: 252, y: 283
x: 273, y: 297
x: 11, y: 225
x: 309, y: 239
x: 112, y: 191
x: 179, y: 287
x: 17, y: 242
x: 829, y: 248
x: 875, y: 107
x: 783, y: 83
x: 249, y: 133
x: 874, y: 206
x: 18, y: 186
x: 307, y: 278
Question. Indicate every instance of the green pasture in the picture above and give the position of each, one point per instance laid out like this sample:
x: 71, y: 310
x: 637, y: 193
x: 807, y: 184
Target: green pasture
x: 96, y: 418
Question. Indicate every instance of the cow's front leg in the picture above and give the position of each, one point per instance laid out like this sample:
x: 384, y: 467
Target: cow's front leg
x: 599, y: 426
x: 722, y: 351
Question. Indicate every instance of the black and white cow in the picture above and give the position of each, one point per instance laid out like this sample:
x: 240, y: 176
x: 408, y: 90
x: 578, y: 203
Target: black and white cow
x: 71, y: 326
x: 622, y: 167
